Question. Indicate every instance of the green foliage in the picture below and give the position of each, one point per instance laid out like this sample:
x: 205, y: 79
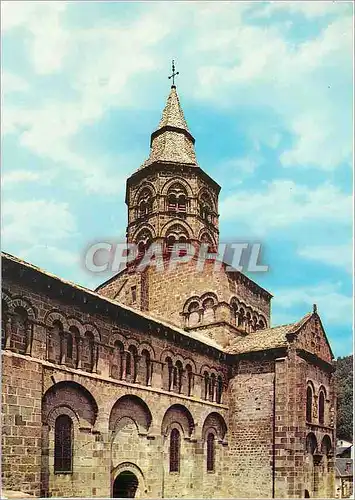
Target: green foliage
x: 344, y: 385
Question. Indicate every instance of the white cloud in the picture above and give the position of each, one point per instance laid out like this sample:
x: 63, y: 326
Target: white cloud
x: 283, y: 203
x: 46, y: 40
x: 50, y: 253
x: 333, y: 306
x: 17, y: 176
x: 245, y: 165
x: 334, y: 255
x: 11, y: 83
x: 98, y: 64
x: 256, y: 64
x: 310, y: 9
x: 36, y: 222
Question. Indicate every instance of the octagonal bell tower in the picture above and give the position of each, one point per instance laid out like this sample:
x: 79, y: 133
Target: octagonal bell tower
x: 170, y: 198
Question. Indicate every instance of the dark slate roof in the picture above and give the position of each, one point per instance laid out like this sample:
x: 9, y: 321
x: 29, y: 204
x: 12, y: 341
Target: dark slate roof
x: 194, y: 335
x: 344, y: 467
x: 342, y: 449
x: 269, y: 338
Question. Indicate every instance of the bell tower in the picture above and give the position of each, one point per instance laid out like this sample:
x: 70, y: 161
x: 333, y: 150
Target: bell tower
x: 170, y: 198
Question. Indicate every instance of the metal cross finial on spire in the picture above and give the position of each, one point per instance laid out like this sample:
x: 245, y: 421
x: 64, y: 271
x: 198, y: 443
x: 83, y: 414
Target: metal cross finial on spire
x: 174, y: 74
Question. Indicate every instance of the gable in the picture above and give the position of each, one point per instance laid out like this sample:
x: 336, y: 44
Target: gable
x: 312, y: 338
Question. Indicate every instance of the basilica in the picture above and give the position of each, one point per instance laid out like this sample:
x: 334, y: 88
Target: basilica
x: 165, y: 384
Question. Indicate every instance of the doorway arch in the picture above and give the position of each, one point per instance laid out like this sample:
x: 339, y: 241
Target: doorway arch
x: 125, y: 485
x: 127, y: 481
x: 306, y: 494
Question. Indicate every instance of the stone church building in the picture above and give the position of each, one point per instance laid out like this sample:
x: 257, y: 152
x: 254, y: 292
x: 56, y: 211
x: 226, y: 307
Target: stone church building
x: 163, y: 384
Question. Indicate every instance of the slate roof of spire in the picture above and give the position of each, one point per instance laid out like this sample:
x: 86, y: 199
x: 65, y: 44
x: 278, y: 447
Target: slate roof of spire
x: 173, y: 114
x: 172, y: 141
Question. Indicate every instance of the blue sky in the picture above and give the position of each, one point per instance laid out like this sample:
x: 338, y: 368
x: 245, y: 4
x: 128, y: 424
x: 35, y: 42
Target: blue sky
x: 267, y: 91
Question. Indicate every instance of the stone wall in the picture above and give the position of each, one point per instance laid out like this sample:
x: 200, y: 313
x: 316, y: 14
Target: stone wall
x: 251, y: 396
x: 127, y: 381
x: 170, y: 293
x: 304, y: 451
x: 105, y: 440
x: 21, y: 423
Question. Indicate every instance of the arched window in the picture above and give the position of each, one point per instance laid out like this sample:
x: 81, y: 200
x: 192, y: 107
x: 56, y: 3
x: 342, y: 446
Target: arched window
x: 75, y: 335
x: 206, y: 210
x: 69, y: 349
x: 176, y: 234
x: 193, y: 316
x: 183, y: 249
x: 141, y: 249
x: 207, y: 240
x: 170, y: 243
x: 208, y: 309
x: 172, y: 202
x: 207, y: 384
x: 175, y: 378
x: 63, y: 445
x: 145, y: 203
x: 309, y: 404
x: 4, y: 324
x: 241, y: 318
x: 248, y: 322
x: 181, y: 203
x: 89, y: 359
x: 20, y: 326
x: 174, y: 451
x: 128, y: 364
x: 189, y: 379
x: 321, y: 401
x: 116, y: 368
x: 234, y: 312
x: 55, y: 343
x: 261, y: 324
x: 219, y: 389
x: 212, y: 386
x: 210, y: 452
x: 177, y: 198
x: 146, y: 366
x: 131, y: 363
x: 143, y: 240
x: 179, y: 374
x: 169, y: 364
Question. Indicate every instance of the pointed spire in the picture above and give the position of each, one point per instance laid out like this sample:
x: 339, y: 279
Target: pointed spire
x: 172, y: 141
x: 173, y: 115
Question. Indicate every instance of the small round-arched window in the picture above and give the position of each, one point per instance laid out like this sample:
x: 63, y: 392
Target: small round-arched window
x: 210, y: 452
x: 309, y: 404
x: 321, y: 406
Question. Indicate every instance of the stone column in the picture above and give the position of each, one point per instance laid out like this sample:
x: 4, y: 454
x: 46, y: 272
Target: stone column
x: 182, y: 380
x: 79, y: 346
x: 7, y: 333
x: 29, y: 337
x: 135, y: 371
x: 123, y: 365
x: 61, y: 354
x: 317, y: 471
